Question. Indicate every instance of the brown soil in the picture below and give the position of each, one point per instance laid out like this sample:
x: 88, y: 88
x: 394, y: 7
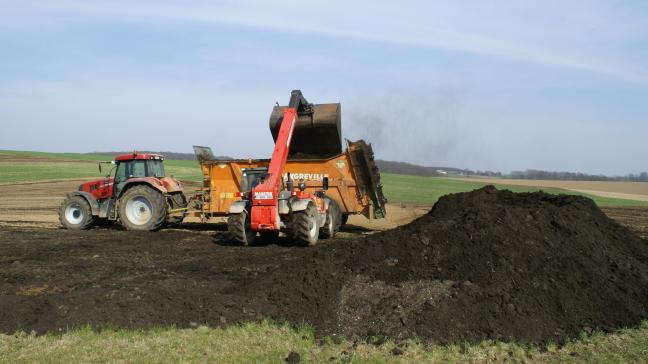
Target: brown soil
x: 635, y: 218
x: 35, y: 204
x: 613, y: 189
x: 481, y: 265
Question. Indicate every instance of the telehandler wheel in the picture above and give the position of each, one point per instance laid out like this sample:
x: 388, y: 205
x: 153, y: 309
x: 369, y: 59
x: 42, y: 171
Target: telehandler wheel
x: 332, y: 223
x: 304, y: 226
x: 75, y: 213
x: 142, y: 208
x: 238, y: 229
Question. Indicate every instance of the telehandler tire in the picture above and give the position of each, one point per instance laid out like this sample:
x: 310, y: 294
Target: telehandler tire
x: 75, y: 213
x: 333, y: 221
x: 238, y: 229
x: 304, y: 226
x: 142, y: 208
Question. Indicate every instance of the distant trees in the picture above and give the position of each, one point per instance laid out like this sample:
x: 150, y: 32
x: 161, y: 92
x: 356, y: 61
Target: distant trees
x: 641, y: 177
x: 575, y: 176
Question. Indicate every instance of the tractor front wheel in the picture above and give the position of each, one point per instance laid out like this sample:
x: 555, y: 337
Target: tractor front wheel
x: 75, y: 213
x: 142, y: 208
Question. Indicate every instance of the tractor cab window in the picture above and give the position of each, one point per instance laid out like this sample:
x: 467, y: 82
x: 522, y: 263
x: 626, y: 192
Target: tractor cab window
x: 155, y: 168
x: 139, y: 168
x: 120, y: 173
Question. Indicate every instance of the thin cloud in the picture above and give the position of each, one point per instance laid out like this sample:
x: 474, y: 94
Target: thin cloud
x: 320, y: 22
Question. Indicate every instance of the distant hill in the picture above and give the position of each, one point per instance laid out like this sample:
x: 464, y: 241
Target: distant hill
x: 416, y: 170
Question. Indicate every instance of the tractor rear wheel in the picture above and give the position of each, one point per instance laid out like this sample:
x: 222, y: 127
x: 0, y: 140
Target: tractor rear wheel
x: 239, y: 230
x: 75, y: 213
x: 333, y: 220
x: 304, y: 226
x: 142, y: 208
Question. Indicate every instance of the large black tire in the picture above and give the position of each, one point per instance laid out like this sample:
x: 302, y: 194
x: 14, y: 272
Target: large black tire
x: 333, y: 221
x: 238, y: 229
x: 75, y: 213
x: 304, y: 226
x: 142, y: 208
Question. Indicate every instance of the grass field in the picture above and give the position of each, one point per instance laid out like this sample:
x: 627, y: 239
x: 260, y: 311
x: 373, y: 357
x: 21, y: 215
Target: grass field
x: 427, y: 190
x: 271, y: 343
x: 39, y: 166
x: 47, y: 166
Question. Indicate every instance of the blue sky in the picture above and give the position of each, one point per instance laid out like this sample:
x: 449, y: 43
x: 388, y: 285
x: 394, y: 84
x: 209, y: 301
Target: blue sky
x: 499, y: 85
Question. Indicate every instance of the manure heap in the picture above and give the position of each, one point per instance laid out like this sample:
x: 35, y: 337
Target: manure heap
x: 486, y: 264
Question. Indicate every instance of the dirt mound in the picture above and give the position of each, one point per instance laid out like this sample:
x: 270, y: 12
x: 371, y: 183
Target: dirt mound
x: 486, y: 264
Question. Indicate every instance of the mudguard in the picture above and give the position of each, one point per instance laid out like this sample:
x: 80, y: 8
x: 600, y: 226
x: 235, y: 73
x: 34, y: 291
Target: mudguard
x: 299, y: 205
x: 94, y: 204
x: 150, y: 181
x: 237, y: 207
x: 283, y: 207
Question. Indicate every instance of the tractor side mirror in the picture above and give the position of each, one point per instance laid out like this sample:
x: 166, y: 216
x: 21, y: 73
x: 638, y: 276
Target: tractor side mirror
x: 325, y: 183
x: 100, y: 171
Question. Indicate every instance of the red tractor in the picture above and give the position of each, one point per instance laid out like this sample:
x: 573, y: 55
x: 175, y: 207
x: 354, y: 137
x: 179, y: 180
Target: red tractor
x: 269, y: 204
x: 135, y: 192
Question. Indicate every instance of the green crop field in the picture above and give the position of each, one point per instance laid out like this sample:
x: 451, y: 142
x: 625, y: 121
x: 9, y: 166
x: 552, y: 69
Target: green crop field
x: 427, y: 190
x: 48, y: 166
x: 397, y: 188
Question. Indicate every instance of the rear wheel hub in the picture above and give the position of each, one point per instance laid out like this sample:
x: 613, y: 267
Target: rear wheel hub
x: 139, y: 210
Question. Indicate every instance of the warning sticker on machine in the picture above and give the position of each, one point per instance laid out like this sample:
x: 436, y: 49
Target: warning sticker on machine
x: 305, y: 176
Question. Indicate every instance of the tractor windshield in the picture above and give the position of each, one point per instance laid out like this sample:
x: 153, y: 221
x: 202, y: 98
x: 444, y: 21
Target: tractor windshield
x: 139, y: 168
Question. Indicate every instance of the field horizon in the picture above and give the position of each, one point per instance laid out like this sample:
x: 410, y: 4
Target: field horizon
x: 29, y: 166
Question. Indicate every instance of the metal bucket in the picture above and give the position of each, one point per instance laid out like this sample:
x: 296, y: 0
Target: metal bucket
x: 316, y: 135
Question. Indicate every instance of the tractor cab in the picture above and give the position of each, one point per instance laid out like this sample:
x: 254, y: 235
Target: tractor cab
x: 136, y: 165
x: 125, y: 168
